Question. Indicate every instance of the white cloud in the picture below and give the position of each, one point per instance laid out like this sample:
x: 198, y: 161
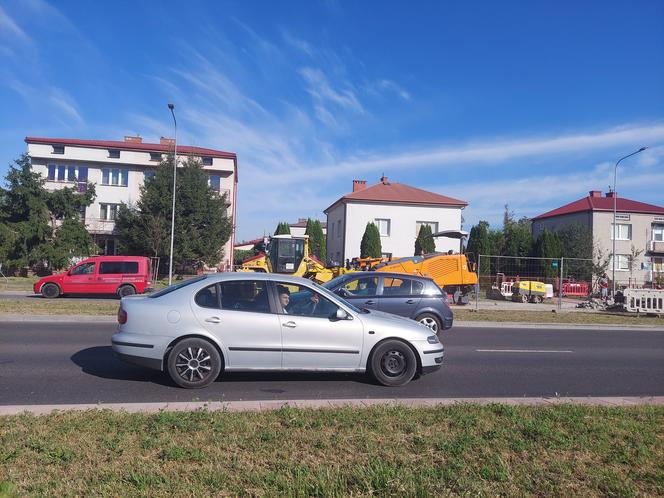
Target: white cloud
x: 320, y: 89
x: 9, y: 27
x: 65, y: 103
x: 394, y: 87
x: 298, y: 44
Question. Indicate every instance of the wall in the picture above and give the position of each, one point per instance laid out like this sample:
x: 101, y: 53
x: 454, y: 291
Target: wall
x: 335, y: 237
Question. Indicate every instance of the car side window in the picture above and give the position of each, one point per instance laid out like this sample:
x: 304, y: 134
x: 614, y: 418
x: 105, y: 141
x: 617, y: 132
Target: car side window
x: 86, y: 269
x: 110, y: 267
x: 417, y: 288
x: 396, y: 287
x: 363, y: 286
x: 299, y: 300
x: 245, y: 295
x: 207, y: 297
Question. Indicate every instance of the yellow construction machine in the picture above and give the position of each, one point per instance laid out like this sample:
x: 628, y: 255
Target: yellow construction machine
x: 290, y: 255
x: 452, y: 272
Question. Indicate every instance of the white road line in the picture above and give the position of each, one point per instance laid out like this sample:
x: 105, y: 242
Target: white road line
x: 521, y: 351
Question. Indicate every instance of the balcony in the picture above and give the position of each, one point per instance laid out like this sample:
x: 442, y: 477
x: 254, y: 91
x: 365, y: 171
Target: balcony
x: 656, y: 246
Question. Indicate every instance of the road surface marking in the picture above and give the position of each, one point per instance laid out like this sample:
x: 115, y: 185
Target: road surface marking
x: 521, y: 351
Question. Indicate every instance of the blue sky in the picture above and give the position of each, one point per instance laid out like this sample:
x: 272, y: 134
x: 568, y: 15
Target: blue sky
x: 526, y: 103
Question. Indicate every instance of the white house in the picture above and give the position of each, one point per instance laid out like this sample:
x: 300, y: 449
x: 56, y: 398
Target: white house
x: 118, y: 170
x: 398, y: 210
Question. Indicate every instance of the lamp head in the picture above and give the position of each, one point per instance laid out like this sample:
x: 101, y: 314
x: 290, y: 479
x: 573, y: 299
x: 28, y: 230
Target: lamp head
x: 642, y: 149
x: 171, y: 106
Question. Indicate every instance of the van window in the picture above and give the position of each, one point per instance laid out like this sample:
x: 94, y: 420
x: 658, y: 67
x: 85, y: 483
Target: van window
x: 86, y: 269
x: 115, y: 267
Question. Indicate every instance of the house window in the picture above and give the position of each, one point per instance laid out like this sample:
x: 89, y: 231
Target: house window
x: 148, y: 175
x: 71, y: 173
x: 658, y: 233
x: 386, y: 255
x: 658, y: 264
x: 622, y: 262
x: 383, y: 227
x: 338, y: 229
x: 81, y: 214
x: 331, y: 234
x: 155, y: 156
x: 623, y: 231
x: 114, y: 176
x: 215, y: 182
x: 432, y: 224
x: 61, y: 172
x: 207, y: 161
x: 51, y: 171
x: 622, y: 217
x: 58, y: 149
x: 114, y: 153
x: 108, y: 211
x: 82, y: 173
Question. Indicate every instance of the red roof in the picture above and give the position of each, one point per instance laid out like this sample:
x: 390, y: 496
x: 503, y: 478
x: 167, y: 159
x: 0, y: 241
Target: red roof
x: 393, y: 192
x: 117, y: 144
x: 591, y: 203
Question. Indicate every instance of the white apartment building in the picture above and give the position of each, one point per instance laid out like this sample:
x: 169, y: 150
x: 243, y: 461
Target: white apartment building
x: 398, y: 210
x: 118, y: 169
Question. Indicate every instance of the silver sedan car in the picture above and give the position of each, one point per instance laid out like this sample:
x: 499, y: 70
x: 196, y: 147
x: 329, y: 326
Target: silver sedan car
x: 231, y: 322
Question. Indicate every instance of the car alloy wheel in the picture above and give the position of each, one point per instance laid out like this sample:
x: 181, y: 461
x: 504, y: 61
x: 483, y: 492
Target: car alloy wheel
x: 430, y: 321
x: 194, y: 363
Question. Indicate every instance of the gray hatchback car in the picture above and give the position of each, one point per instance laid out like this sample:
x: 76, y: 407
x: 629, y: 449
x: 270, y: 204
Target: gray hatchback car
x: 411, y: 296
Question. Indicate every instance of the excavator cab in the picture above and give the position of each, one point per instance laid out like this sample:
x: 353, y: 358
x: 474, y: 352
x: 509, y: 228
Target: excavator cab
x: 286, y: 253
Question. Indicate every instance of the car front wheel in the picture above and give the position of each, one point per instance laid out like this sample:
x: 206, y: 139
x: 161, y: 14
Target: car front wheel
x: 194, y: 363
x: 393, y: 363
x: 50, y: 291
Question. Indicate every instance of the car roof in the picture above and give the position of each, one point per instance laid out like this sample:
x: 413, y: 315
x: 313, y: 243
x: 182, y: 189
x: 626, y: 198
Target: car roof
x: 248, y: 275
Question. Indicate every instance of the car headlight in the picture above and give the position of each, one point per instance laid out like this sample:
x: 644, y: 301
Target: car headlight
x: 432, y: 339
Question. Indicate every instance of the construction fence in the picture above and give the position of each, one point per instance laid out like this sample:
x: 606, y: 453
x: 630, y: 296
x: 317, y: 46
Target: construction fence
x: 562, y: 282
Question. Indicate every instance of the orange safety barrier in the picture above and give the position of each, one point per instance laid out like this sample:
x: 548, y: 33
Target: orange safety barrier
x: 575, y: 288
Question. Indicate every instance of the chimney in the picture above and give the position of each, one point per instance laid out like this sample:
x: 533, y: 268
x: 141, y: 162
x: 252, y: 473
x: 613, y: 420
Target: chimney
x: 301, y: 220
x: 596, y: 193
x: 610, y: 194
x: 133, y: 140
x: 166, y: 141
x: 359, y: 185
x: 384, y: 180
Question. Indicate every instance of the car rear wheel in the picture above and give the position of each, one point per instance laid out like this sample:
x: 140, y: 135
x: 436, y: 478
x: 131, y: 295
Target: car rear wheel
x: 126, y: 290
x: 393, y: 363
x: 430, y: 321
x: 50, y: 291
x: 194, y: 363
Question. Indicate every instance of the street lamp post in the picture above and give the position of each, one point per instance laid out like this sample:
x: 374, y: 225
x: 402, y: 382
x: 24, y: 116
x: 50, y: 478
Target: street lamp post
x: 175, y: 170
x: 613, y: 227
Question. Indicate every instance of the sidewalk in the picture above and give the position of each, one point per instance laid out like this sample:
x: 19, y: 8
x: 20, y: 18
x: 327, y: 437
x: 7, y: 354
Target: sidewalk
x: 267, y: 405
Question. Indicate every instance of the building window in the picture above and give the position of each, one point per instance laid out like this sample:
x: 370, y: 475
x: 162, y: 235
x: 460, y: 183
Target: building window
x: 622, y: 262
x: 108, y: 211
x: 432, y: 224
x: 71, y: 173
x: 658, y: 233
x: 658, y: 264
x: 148, y: 175
x: 58, y: 149
x: 114, y: 176
x: 383, y: 227
x: 331, y: 234
x: 51, y: 171
x: 622, y: 217
x: 623, y: 231
x: 338, y: 229
x: 155, y: 156
x: 82, y: 173
x: 61, y: 172
x: 386, y: 255
x: 81, y: 214
x: 114, y: 153
x: 215, y: 183
x: 207, y: 161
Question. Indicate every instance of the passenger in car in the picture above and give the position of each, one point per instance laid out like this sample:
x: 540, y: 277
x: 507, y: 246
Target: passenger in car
x: 284, y: 297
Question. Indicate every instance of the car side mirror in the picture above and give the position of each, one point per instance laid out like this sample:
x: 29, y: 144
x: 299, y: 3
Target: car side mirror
x: 341, y: 315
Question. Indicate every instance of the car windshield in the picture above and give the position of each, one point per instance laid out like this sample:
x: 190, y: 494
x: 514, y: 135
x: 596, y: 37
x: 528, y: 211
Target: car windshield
x: 325, y: 290
x: 175, y: 287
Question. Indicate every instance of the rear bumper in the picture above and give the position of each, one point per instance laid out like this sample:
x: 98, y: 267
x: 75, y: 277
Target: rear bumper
x: 448, y: 322
x: 140, y: 349
x: 141, y: 361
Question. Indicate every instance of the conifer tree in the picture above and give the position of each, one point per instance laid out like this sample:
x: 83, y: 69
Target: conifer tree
x: 370, y: 245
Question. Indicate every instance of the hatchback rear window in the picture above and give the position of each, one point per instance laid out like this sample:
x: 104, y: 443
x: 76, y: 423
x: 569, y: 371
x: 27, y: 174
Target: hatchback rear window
x: 114, y: 267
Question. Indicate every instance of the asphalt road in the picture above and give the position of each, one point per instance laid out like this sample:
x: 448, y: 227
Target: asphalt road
x: 53, y: 363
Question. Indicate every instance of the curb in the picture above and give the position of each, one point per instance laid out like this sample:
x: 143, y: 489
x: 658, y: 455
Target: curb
x: 561, y: 326
x: 269, y: 405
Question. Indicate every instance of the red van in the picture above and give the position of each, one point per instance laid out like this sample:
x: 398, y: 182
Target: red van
x: 121, y: 275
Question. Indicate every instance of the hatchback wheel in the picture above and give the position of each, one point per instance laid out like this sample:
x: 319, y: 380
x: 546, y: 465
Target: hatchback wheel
x: 194, y: 363
x: 430, y: 321
x: 126, y: 290
x: 393, y: 363
x: 50, y: 291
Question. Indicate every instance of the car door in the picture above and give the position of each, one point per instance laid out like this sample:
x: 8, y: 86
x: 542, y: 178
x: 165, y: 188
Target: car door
x: 108, y: 277
x: 239, y: 315
x: 398, y: 297
x: 362, y: 291
x: 312, y: 337
x: 80, y: 279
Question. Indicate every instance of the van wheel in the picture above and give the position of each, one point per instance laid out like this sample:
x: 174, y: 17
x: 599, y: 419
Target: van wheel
x: 126, y: 290
x: 430, y: 321
x: 194, y: 363
x: 50, y: 291
x: 393, y: 363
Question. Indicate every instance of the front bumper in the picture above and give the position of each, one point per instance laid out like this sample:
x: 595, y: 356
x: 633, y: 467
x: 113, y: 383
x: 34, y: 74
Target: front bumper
x: 431, y: 356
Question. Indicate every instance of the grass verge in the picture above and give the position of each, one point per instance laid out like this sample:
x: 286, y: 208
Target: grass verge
x: 466, y: 449
x: 17, y: 283
x: 464, y: 315
x: 39, y: 306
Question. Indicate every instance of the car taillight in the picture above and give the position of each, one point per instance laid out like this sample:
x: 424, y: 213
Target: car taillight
x: 122, y: 316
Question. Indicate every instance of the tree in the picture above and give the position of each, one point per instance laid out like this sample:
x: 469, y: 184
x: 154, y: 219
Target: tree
x: 283, y: 228
x: 632, y: 259
x: 577, y: 241
x: 30, y: 215
x: 518, y: 242
x: 316, y: 239
x: 370, y: 245
x: 202, y: 227
x: 479, y: 244
x: 424, y: 243
x: 549, y: 246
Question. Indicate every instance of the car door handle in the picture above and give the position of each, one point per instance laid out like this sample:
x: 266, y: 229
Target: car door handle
x: 290, y: 325
x: 213, y: 319
x: 410, y: 301
x: 370, y: 301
